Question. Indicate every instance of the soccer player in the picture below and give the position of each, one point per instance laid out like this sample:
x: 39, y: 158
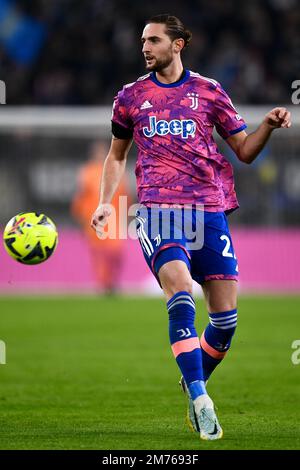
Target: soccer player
x: 171, y: 113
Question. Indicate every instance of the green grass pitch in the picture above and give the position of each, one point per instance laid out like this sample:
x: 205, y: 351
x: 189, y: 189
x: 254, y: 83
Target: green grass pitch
x: 98, y: 373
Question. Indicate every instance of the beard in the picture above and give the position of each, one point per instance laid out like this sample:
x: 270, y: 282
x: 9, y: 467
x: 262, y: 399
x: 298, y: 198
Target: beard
x: 160, y: 64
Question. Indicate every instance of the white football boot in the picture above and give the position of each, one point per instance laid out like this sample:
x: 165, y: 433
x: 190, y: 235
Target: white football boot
x: 201, y: 416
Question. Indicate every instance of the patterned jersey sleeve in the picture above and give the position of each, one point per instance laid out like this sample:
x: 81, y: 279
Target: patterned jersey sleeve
x: 120, y: 111
x: 227, y: 119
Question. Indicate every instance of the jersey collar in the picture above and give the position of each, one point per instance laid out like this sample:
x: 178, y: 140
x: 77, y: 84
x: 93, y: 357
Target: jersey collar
x: 183, y: 78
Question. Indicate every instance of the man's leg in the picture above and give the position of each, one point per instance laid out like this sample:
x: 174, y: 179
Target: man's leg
x: 176, y: 282
x: 221, y: 302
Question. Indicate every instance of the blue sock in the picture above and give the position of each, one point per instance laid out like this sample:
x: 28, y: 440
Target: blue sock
x: 185, y: 341
x: 216, y: 339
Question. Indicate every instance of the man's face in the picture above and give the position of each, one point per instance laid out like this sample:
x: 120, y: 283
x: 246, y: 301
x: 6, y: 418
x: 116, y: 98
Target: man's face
x: 157, y: 47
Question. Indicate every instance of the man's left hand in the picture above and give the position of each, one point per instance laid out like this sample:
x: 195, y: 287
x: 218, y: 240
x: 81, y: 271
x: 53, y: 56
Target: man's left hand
x: 278, y: 117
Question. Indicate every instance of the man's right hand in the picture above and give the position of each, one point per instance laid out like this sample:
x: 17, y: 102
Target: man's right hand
x: 100, y: 218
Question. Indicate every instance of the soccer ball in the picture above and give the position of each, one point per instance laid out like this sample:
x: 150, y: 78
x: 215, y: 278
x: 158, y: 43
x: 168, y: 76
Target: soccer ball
x: 30, y: 238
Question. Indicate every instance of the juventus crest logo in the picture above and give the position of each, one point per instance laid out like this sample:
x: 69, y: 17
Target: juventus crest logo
x: 194, y: 99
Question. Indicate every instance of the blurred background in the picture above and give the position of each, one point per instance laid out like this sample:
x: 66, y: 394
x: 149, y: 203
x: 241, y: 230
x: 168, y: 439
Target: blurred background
x: 64, y: 61
x: 84, y: 370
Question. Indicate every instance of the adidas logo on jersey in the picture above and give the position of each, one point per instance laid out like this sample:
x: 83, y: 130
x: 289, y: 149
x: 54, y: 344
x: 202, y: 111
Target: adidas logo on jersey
x: 146, y: 105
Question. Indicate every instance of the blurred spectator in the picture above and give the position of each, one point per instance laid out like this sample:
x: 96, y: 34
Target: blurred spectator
x: 106, y: 255
x: 21, y: 35
x: 92, y: 48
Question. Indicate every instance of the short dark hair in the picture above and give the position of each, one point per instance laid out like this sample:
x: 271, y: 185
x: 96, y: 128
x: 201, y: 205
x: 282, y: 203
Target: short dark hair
x: 174, y: 27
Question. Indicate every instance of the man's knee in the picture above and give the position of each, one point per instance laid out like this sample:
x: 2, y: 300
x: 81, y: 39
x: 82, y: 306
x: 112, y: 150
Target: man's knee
x: 179, y: 286
x: 220, y: 296
x: 175, y: 277
x: 222, y: 305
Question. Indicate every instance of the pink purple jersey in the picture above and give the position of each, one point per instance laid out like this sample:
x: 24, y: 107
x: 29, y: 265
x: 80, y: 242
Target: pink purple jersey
x: 178, y: 160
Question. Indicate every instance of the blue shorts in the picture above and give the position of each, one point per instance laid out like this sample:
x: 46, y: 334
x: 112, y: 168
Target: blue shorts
x: 200, y: 239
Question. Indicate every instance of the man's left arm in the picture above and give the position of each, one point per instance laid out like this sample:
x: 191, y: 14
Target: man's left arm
x: 247, y: 147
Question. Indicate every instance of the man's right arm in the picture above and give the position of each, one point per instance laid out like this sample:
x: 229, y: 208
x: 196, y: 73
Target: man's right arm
x: 113, y: 170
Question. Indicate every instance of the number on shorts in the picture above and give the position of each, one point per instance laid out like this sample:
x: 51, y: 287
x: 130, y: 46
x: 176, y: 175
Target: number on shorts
x: 226, y: 251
